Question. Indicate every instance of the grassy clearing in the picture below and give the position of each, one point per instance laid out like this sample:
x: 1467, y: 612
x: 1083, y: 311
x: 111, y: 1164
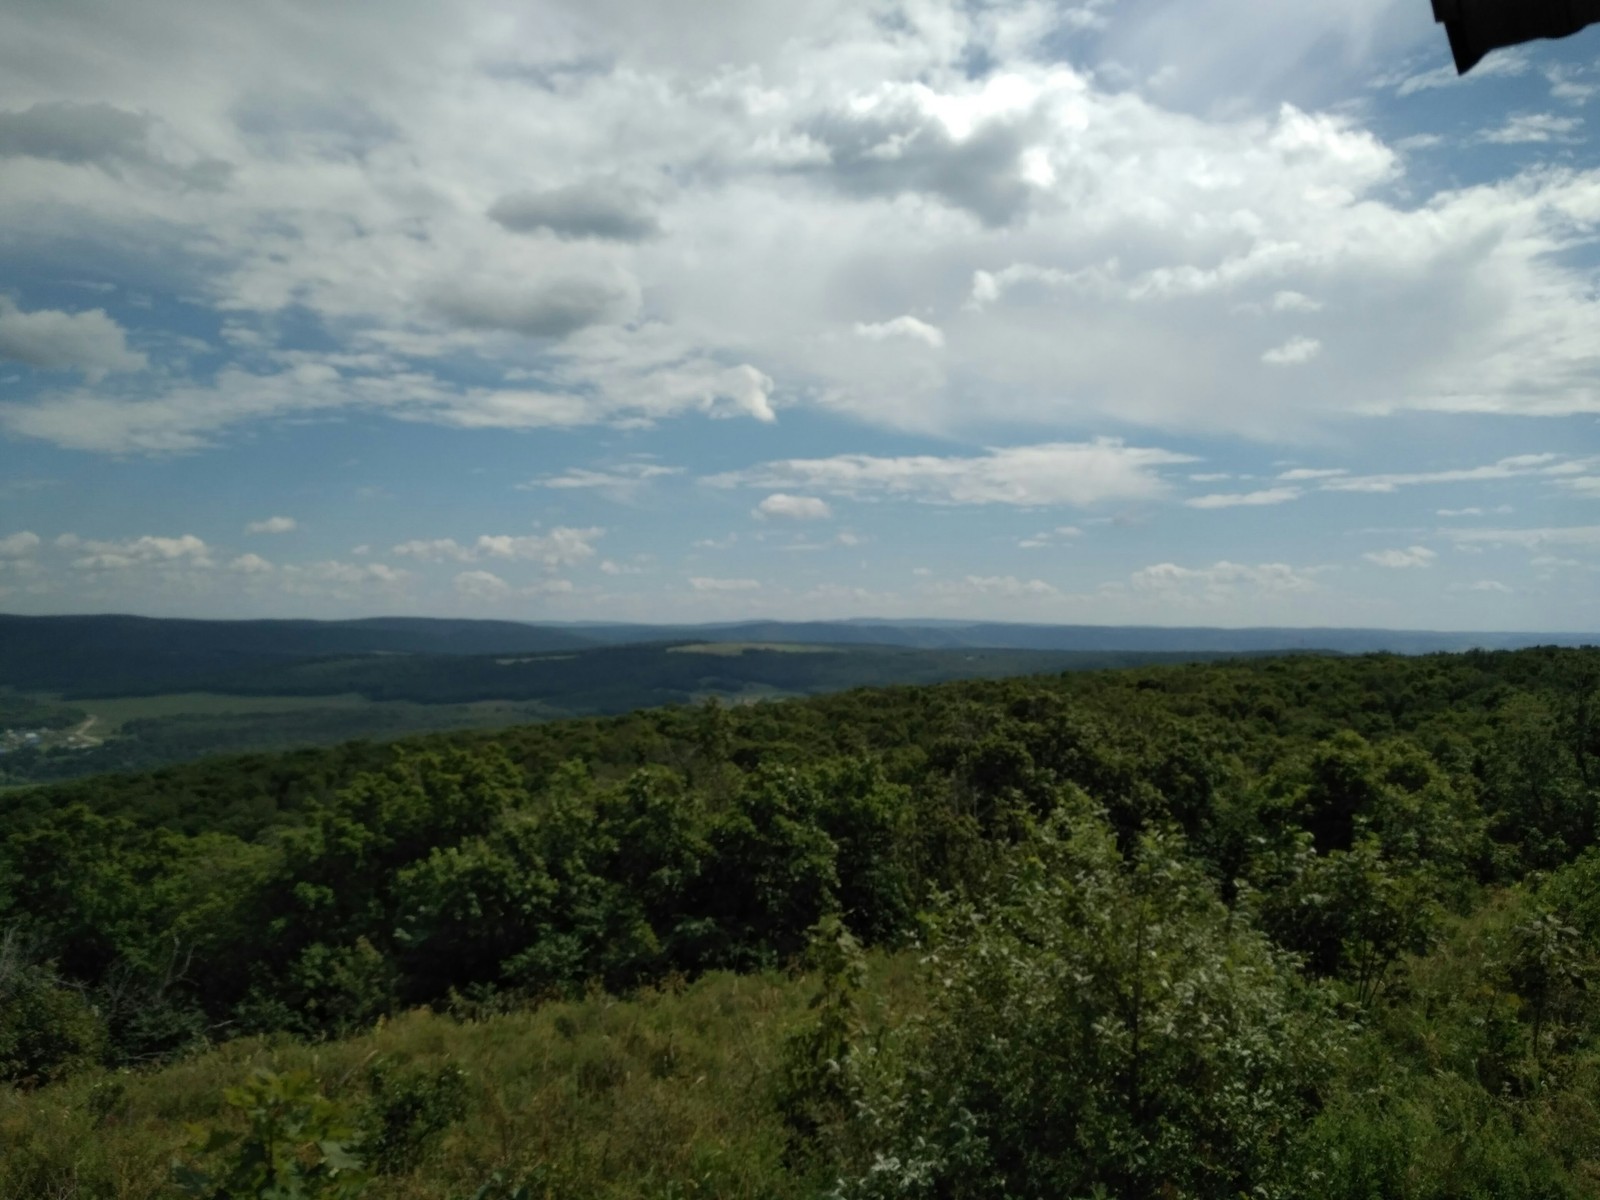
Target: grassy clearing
x: 665, y: 1094
x: 117, y: 711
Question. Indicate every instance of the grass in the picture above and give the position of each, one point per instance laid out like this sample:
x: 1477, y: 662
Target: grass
x: 667, y: 1094
x: 117, y: 711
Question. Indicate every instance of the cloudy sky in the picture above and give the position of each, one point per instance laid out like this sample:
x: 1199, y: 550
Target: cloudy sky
x: 1175, y: 312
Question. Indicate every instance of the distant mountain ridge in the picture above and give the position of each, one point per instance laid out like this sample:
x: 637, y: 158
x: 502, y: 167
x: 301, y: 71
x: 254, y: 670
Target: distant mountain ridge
x: 114, y: 652
x: 996, y: 635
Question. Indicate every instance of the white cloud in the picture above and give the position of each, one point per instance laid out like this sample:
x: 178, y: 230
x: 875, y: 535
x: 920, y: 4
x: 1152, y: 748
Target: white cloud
x: 1514, y: 60
x: 1515, y: 466
x: 623, y: 482
x: 1567, y: 84
x: 1235, y: 499
x: 1293, y: 353
x: 1295, y: 302
x: 764, y: 170
x: 1533, y: 127
x: 906, y: 327
x: 185, y: 551
x: 1305, y: 474
x: 1050, y: 537
x: 273, y: 525
x: 704, y: 584
x: 51, y: 340
x: 1061, y: 473
x: 1490, y: 585
x: 1414, y: 556
x: 18, y: 545
x: 560, y: 547
x: 481, y: 585
x: 794, y: 508
x: 1531, y: 539
x: 250, y: 564
x: 1221, y: 584
x: 342, y: 580
x: 433, y: 550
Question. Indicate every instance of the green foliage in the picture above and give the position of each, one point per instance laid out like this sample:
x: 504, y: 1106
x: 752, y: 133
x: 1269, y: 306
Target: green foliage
x: 1282, y: 926
x: 818, y: 1080
x: 1101, y: 1026
x: 47, y: 1027
x: 408, y: 1110
x: 299, y: 1146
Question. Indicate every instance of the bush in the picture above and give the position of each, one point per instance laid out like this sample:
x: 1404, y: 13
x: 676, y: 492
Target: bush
x: 299, y: 1146
x: 408, y: 1111
x: 47, y: 1028
x: 1100, y: 1027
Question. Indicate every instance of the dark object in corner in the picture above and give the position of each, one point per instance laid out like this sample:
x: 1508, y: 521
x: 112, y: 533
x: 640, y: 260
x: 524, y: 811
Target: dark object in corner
x: 1476, y: 27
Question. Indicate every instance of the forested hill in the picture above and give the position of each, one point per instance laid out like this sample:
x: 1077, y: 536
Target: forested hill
x: 1278, y: 927
x: 111, y: 655
x: 114, y: 655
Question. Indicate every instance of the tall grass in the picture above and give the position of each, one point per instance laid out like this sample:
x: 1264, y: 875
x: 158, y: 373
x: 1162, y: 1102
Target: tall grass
x: 667, y: 1094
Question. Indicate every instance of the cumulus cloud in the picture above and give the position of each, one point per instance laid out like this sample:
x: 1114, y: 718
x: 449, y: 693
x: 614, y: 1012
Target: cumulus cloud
x: 1293, y: 353
x: 186, y: 551
x: 793, y: 508
x: 52, y: 340
x: 1051, y: 223
x: 250, y: 564
x: 1413, y: 556
x: 906, y: 328
x: 561, y: 547
x: 705, y: 584
x: 272, y: 525
x: 18, y: 545
x: 342, y: 580
x: 969, y: 151
x: 481, y: 585
x: 1056, y: 473
x: 594, y: 209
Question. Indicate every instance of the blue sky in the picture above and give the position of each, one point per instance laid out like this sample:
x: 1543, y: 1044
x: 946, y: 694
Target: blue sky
x: 1175, y: 313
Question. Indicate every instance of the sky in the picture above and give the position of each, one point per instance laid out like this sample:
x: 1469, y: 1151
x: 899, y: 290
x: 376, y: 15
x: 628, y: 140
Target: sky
x: 1177, y: 312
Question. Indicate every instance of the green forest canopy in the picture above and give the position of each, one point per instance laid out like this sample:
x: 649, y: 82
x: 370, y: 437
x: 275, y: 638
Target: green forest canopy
x: 1301, y: 926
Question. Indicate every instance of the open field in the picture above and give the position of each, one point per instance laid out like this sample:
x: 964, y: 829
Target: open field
x: 115, y: 712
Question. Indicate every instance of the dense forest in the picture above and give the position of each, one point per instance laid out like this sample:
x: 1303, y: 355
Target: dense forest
x: 1285, y: 927
x: 292, y: 700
